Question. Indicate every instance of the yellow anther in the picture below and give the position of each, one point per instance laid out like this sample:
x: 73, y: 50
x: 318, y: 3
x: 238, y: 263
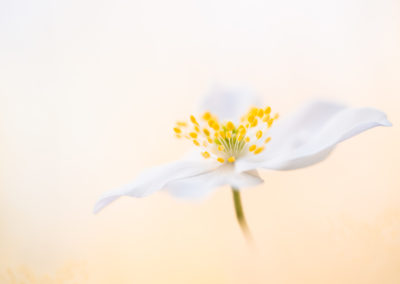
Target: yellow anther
x: 206, y: 115
x: 216, y: 126
x: 193, y: 120
x: 227, y: 136
x: 206, y: 155
x: 259, y: 150
x: 230, y: 125
x: 181, y: 123
x: 254, y: 111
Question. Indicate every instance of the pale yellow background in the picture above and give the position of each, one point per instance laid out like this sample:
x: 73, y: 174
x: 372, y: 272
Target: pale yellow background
x: 89, y: 91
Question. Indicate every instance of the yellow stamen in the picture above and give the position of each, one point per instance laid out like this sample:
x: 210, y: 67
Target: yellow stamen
x: 231, y: 159
x: 254, y: 123
x: 230, y: 125
x: 259, y: 150
x: 251, y: 118
x: 206, y: 155
x: 181, y: 123
x: 193, y: 120
x: 215, y: 126
x: 254, y: 111
x: 206, y: 115
x: 242, y: 129
x: 228, y: 137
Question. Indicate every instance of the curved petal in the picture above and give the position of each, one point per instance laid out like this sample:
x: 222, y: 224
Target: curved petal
x: 312, y: 134
x: 155, y: 179
x: 202, y: 185
x: 229, y: 104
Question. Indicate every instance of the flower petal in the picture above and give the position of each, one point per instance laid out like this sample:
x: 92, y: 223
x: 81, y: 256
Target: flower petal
x: 200, y: 186
x: 229, y: 104
x: 155, y: 179
x: 311, y: 134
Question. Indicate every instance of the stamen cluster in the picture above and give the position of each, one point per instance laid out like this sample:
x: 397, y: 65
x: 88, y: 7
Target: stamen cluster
x: 226, y: 141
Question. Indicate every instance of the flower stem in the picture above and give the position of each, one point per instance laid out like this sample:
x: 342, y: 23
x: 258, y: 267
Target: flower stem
x: 240, y: 214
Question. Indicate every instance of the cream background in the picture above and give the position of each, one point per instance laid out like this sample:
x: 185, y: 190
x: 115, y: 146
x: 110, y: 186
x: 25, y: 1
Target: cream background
x: 89, y: 91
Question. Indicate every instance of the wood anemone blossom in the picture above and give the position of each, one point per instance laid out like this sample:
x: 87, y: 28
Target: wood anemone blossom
x: 234, y: 136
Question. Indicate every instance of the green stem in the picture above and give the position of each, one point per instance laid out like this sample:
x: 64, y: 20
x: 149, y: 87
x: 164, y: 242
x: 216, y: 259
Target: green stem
x: 240, y: 215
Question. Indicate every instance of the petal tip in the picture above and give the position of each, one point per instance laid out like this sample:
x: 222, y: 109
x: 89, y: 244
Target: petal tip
x: 103, y: 202
x: 386, y: 123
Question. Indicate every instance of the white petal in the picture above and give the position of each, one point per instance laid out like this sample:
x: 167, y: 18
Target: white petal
x: 229, y: 104
x: 311, y: 134
x: 155, y: 179
x: 202, y: 185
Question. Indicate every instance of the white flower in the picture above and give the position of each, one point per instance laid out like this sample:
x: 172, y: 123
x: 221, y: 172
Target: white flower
x: 233, y: 139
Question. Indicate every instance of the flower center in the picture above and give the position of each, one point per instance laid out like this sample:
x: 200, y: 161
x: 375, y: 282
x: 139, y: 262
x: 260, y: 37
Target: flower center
x: 226, y: 141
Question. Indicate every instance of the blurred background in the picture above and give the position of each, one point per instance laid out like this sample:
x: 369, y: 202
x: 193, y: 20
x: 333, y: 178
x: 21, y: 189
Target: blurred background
x: 90, y: 90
